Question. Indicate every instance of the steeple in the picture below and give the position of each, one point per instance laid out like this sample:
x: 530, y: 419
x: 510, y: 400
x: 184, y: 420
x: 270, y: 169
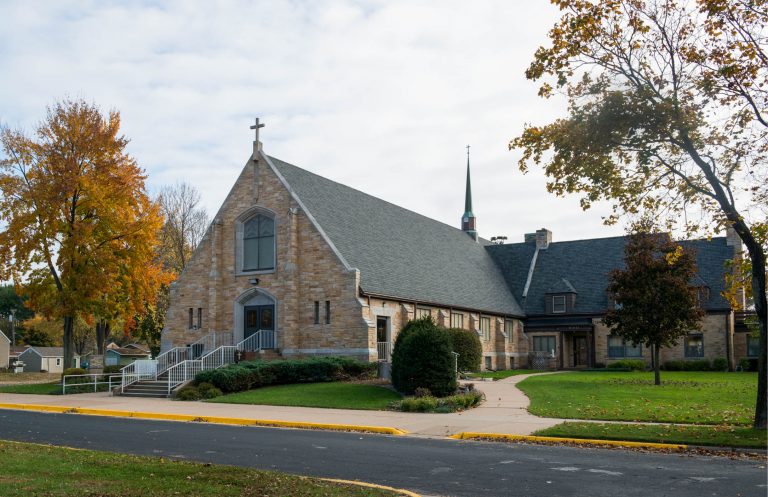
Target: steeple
x: 468, y: 218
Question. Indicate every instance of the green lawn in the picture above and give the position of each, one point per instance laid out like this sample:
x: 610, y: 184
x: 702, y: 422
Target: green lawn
x: 505, y: 373
x: 721, y: 436
x: 30, y: 469
x: 34, y: 388
x: 683, y: 397
x: 333, y: 395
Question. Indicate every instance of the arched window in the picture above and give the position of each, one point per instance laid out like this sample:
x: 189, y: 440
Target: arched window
x: 258, y: 243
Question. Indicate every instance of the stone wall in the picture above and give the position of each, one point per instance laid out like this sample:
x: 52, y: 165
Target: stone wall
x: 499, y: 352
x: 716, y: 331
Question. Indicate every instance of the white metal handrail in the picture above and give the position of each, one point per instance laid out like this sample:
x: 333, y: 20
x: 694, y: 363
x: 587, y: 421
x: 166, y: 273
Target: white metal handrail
x: 262, y: 339
x: 93, y: 379
x: 384, y: 350
x: 220, y: 357
x: 143, y: 369
x: 183, y: 372
x: 212, y: 351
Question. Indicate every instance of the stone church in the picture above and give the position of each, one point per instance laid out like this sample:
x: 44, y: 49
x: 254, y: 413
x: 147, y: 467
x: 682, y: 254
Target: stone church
x: 308, y: 267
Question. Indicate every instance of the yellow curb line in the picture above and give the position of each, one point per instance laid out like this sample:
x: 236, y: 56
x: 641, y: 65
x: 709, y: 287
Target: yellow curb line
x: 207, y: 419
x: 582, y: 441
x: 372, y: 485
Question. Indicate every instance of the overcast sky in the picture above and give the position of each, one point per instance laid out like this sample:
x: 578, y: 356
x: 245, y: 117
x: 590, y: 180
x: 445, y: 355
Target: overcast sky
x: 380, y: 95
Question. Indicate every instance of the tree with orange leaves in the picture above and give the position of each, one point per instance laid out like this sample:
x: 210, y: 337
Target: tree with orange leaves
x: 78, y: 227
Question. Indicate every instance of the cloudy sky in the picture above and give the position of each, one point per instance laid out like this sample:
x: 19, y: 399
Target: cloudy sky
x: 380, y: 95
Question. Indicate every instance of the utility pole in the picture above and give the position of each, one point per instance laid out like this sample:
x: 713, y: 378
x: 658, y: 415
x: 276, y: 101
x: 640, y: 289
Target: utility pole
x: 13, y: 328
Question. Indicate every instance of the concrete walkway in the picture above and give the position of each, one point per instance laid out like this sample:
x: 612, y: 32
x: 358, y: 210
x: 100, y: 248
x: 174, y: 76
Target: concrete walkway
x: 504, y: 411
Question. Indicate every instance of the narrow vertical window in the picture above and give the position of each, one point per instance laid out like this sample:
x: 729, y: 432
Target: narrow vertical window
x: 199, y: 318
x: 327, y: 312
x: 485, y: 328
x: 317, y: 312
x: 191, y: 323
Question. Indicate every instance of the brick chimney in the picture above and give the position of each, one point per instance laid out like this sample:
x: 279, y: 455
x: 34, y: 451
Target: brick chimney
x: 543, y: 238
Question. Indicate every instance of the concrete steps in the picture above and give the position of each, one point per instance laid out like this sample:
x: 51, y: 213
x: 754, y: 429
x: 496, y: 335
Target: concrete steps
x: 159, y: 388
x: 147, y: 388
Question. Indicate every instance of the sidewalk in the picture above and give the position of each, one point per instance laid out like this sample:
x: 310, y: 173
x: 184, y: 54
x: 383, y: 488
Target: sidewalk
x: 504, y: 411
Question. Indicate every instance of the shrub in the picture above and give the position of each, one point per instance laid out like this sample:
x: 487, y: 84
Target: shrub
x: 208, y: 391
x: 112, y: 369
x: 467, y: 345
x: 418, y: 404
x: 410, y: 327
x: 631, y: 364
x: 678, y: 365
x: 71, y: 371
x: 189, y: 392
x: 73, y: 381
x: 720, y: 364
x: 453, y: 403
x: 423, y: 358
x: 254, y: 374
x: 748, y: 364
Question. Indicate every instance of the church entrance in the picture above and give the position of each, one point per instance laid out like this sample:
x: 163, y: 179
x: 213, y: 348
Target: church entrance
x: 256, y: 311
x: 258, y: 317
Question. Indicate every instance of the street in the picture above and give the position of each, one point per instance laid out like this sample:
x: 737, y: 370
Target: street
x: 424, y: 465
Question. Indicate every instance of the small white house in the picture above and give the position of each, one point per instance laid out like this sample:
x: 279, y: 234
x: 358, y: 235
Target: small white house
x: 50, y: 359
x: 5, y: 350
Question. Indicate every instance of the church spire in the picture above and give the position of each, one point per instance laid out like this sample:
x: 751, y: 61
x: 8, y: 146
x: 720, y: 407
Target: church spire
x: 468, y: 218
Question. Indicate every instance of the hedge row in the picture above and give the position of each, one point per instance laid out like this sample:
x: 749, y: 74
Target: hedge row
x: 719, y: 364
x: 254, y: 374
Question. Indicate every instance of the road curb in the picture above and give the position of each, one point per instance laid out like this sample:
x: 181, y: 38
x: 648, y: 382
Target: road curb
x: 384, y: 430
x: 402, y: 491
x: 579, y: 441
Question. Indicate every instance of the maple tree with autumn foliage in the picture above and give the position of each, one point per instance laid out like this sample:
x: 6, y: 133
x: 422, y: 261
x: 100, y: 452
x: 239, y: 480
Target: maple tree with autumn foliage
x: 78, y: 228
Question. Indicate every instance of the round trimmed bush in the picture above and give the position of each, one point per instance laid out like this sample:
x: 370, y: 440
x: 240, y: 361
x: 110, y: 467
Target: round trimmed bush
x: 422, y: 358
x: 467, y: 345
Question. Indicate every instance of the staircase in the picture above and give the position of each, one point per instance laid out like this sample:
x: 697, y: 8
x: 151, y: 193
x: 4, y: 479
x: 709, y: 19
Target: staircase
x: 175, y: 367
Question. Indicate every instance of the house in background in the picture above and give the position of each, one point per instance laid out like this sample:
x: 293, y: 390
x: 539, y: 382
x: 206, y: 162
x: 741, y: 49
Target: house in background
x: 313, y: 267
x: 5, y: 350
x: 45, y: 359
x: 122, y: 356
x: 15, y: 352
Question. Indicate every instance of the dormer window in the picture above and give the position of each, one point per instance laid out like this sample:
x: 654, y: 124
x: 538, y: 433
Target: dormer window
x: 558, y: 304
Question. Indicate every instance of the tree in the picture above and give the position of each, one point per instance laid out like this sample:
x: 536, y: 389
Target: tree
x: 655, y: 304
x: 666, y: 114
x: 12, y: 306
x: 41, y: 332
x: 79, y: 228
x: 184, y: 226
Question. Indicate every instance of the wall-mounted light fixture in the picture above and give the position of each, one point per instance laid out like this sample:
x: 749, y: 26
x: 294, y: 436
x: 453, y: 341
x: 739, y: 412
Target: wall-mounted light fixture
x: 253, y: 281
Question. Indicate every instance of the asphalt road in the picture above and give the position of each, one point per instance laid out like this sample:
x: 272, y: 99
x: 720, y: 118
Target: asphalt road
x: 427, y: 466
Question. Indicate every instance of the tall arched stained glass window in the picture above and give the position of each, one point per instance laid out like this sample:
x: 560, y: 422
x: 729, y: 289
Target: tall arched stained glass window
x: 259, y: 243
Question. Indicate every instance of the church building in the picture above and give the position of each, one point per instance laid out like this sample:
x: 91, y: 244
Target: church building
x: 306, y: 266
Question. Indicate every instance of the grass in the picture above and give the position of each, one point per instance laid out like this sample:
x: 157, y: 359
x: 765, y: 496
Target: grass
x: 683, y: 397
x: 500, y: 375
x: 332, y: 395
x: 720, y: 436
x: 34, y: 388
x: 28, y: 377
x: 31, y: 469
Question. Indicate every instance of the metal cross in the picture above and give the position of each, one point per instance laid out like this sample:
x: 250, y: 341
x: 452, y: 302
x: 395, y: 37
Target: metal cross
x: 256, y: 127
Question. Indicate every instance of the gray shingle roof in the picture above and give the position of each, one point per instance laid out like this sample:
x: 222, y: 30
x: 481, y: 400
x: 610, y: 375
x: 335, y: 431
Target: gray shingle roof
x: 401, y: 253
x: 585, y: 264
x: 49, y: 351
